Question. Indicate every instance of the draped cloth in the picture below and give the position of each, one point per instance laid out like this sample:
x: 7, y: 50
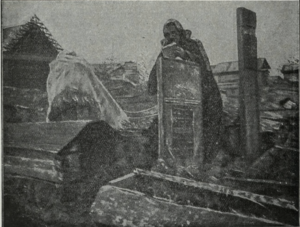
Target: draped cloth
x: 72, y: 83
x: 212, y: 101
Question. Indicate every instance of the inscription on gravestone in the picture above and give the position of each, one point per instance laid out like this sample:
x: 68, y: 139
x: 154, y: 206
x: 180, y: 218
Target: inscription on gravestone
x: 180, y: 112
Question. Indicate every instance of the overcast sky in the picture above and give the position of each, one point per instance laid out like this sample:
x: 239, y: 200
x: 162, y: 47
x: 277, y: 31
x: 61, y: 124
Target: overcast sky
x: 132, y: 30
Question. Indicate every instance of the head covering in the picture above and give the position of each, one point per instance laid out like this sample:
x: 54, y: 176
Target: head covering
x: 176, y: 23
x: 185, y: 34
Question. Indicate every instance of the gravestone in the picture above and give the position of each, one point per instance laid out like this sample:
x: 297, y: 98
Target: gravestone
x: 180, y: 113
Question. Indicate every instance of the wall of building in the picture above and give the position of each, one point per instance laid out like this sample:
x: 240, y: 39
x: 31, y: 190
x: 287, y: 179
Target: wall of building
x: 229, y: 82
x: 293, y: 77
x: 25, y: 74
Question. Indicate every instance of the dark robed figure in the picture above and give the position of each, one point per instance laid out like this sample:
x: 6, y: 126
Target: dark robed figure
x: 178, y: 44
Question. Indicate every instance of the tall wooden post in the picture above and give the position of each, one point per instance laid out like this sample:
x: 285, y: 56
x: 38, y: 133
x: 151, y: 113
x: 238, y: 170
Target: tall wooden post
x: 248, y: 84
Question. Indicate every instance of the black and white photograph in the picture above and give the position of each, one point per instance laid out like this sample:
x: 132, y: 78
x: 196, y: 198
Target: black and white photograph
x: 149, y: 113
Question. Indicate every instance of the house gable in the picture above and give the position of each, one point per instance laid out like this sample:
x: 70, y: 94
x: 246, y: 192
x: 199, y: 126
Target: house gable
x: 27, y: 51
x: 31, y: 39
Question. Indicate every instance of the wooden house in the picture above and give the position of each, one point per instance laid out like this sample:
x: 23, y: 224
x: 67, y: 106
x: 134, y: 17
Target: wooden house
x: 27, y: 51
x: 227, y: 75
x: 291, y: 72
x: 131, y: 72
x: 127, y: 71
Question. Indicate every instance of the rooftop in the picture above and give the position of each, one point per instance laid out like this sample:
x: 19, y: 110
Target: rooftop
x: 14, y: 36
x: 290, y: 68
x: 233, y: 66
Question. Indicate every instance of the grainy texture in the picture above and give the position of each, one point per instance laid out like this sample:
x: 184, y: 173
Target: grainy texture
x: 248, y: 84
x: 121, y: 207
x: 211, y: 97
x: 50, y: 137
x: 186, y: 192
x: 180, y: 113
x: 87, y: 155
x: 76, y: 93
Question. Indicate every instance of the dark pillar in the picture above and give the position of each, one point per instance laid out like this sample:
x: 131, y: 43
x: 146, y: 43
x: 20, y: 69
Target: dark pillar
x: 248, y: 85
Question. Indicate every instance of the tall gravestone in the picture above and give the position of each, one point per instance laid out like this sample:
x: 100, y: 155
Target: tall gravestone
x: 248, y: 84
x: 180, y: 113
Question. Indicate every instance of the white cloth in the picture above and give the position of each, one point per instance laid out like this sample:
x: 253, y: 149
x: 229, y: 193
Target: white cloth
x: 73, y: 73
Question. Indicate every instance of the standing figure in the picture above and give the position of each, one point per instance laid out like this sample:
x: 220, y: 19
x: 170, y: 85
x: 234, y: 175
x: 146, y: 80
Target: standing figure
x: 178, y: 44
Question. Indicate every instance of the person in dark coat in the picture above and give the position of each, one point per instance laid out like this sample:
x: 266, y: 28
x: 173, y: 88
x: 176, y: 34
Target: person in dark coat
x: 188, y: 49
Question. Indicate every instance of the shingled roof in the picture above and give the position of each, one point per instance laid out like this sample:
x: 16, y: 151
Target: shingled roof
x: 290, y: 68
x: 17, y: 37
x: 233, y: 66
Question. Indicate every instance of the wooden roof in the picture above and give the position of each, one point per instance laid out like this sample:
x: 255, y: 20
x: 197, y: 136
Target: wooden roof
x: 30, y: 38
x: 42, y: 136
x: 233, y: 66
x: 290, y: 68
